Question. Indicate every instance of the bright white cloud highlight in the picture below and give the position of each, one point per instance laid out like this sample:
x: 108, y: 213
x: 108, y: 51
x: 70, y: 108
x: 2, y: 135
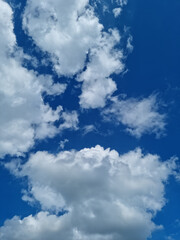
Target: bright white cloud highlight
x: 140, y: 116
x: 108, y: 196
x: 65, y: 29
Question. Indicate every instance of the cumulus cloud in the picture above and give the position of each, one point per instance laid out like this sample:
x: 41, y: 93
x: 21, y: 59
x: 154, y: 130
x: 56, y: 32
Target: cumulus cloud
x: 104, y: 61
x: 64, y: 29
x: 106, y: 195
x: 72, y: 34
x: 140, y: 116
x: 43, y: 226
x: 24, y: 115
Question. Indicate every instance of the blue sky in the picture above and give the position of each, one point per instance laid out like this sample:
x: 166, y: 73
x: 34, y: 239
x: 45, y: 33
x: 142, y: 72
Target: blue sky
x: 89, y: 119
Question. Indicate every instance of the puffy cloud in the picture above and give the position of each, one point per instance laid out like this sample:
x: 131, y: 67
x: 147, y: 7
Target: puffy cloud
x: 41, y: 227
x: 104, y: 61
x: 96, y: 92
x: 140, y: 116
x: 67, y: 30
x: 70, y: 120
x: 106, y: 195
x: 51, y: 88
x: 24, y: 115
x: 8, y: 39
x: 71, y: 33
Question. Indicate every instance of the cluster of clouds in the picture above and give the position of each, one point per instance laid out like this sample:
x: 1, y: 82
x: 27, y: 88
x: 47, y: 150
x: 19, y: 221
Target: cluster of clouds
x: 78, y: 45
x: 24, y: 115
x: 93, y: 193
x: 103, y: 195
x: 77, y: 31
x: 70, y: 32
x: 27, y: 116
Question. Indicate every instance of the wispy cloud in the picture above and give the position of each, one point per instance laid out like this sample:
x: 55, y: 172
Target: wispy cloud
x: 139, y: 116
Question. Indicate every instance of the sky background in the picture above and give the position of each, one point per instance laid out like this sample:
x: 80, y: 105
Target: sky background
x: 151, y: 72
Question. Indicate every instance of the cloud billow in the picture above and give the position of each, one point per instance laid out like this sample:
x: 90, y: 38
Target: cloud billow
x: 70, y: 31
x: 24, y: 115
x: 106, y: 195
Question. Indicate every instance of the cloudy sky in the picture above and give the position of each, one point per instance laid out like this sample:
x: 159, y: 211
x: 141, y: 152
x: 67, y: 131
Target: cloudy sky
x: 89, y: 119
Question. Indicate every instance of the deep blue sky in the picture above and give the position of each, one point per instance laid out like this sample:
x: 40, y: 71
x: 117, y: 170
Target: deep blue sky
x: 153, y: 67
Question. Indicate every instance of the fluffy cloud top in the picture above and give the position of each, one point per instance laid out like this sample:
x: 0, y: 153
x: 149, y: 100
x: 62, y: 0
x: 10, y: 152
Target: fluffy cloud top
x: 140, y: 116
x: 65, y: 29
x: 71, y: 33
x: 41, y: 227
x: 107, y: 195
x: 23, y: 112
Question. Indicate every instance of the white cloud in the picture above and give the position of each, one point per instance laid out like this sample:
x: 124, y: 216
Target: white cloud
x: 96, y: 92
x: 24, y: 115
x: 70, y: 120
x: 69, y: 31
x: 140, y: 116
x: 117, y: 12
x: 7, y: 40
x: 41, y: 227
x: 89, y: 128
x: 107, y: 195
x: 104, y: 61
x: 51, y: 88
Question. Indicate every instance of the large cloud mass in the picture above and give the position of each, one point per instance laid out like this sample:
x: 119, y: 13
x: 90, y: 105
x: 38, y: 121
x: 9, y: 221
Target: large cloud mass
x: 65, y: 29
x: 23, y: 112
x: 107, y: 195
x: 71, y: 33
